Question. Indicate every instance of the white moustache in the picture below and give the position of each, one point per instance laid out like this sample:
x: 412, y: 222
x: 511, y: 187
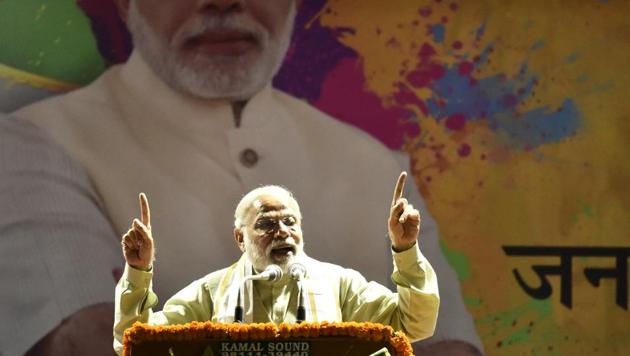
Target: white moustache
x: 281, y: 244
x: 199, y: 25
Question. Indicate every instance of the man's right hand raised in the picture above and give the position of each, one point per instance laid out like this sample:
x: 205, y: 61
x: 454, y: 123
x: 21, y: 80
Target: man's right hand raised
x: 137, y: 243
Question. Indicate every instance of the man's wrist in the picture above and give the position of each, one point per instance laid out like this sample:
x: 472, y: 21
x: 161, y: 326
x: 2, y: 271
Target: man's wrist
x: 142, y: 268
x: 136, y: 276
x: 399, y: 249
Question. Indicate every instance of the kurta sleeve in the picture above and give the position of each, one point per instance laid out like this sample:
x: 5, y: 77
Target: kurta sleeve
x: 135, y: 298
x: 413, y: 309
x: 454, y: 321
x: 58, y: 251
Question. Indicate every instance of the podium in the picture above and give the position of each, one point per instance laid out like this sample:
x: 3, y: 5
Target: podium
x: 268, y: 339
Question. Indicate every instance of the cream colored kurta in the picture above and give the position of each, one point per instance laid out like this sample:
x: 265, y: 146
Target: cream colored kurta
x: 134, y: 134
x: 335, y: 294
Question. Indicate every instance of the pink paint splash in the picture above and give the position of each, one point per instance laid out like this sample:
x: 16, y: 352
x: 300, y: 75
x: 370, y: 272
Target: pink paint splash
x: 427, y: 70
x: 344, y: 96
x: 464, y: 150
x: 425, y: 11
x: 113, y: 39
x: 404, y: 96
x: 465, y: 68
x: 456, y: 122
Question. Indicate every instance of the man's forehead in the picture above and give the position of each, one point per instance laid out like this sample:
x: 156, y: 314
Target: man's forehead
x: 276, y: 214
x: 273, y: 205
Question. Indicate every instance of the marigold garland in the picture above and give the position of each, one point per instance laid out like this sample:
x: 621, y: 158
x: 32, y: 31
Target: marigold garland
x: 196, y: 331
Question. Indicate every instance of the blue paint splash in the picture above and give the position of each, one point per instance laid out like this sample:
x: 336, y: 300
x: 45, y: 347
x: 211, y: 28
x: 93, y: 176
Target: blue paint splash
x: 538, y: 44
x: 539, y: 126
x: 457, y: 93
x: 571, y: 58
x: 438, y: 33
x: 496, y: 99
x: 458, y: 90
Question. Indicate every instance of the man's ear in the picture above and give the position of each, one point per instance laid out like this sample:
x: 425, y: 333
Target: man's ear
x: 239, y: 238
x: 123, y: 9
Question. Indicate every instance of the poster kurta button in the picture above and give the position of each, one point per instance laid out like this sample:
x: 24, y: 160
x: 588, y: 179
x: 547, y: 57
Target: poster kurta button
x: 249, y: 157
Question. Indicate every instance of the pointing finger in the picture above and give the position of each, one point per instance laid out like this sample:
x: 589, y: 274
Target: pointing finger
x: 400, y: 185
x: 145, y: 213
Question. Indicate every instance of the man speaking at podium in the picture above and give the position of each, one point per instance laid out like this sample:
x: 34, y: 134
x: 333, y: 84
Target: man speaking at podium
x: 193, y: 104
x: 268, y: 231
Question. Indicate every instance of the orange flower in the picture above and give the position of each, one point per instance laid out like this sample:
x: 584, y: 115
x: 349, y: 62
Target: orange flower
x: 197, y: 331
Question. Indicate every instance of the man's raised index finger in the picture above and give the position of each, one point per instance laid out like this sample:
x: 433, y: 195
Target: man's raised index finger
x: 145, y: 213
x: 400, y: 185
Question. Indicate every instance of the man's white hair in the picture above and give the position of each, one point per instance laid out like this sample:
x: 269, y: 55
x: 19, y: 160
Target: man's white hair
x: 248, y: 200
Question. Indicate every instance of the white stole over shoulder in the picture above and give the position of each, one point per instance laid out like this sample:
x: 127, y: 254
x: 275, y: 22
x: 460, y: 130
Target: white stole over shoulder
x: 226, y: 295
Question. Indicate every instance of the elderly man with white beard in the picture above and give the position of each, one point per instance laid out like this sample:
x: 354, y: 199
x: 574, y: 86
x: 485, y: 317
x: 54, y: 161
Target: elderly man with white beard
x: 193, y: 105
x: 268, y: 230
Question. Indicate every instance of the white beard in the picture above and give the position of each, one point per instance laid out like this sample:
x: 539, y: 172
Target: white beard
x: 233, y: 77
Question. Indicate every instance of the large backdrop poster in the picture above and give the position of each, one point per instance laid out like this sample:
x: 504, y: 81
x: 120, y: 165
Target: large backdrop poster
x: 516, y: 115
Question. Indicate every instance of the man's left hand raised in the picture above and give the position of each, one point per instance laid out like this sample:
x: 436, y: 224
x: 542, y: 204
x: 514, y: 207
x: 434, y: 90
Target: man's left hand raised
x: 404, y: 219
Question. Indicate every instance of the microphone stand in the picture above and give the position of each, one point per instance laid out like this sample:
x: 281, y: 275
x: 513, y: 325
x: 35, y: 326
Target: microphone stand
x: 238, y: 310
x: 301, y: 311
x: 297, y: 271
x: 271, y: 273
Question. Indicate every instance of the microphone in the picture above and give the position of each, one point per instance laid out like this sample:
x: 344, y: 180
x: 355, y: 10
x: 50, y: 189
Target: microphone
x: 297, y: 271
x: 272, y: 273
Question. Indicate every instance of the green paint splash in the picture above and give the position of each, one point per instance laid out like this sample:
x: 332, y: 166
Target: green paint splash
x: 474, y: 302
x: 52, y: 39
x: 457, y: 260
x: 516, y: 324
x: 587, y: 210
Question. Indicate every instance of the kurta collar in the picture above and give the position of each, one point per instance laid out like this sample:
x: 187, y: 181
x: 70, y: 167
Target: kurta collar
x: 185, y: 113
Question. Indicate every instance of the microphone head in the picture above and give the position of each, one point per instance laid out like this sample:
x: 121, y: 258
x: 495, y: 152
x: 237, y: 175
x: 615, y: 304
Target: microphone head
x: 273, y: 273
x: 297, y: 271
